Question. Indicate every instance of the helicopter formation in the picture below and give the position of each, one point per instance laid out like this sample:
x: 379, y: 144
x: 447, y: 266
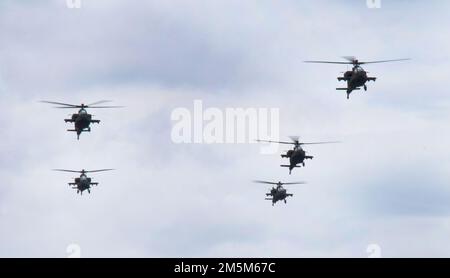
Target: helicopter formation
x: 82, y: 121
x: 356, y: 78
x: 297, y: 157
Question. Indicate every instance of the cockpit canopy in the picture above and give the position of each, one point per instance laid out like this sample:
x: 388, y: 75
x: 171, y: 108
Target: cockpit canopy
x: 358, y: 69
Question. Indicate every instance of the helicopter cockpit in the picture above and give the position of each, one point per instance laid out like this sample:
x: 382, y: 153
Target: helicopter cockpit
x: 82, y: 111
x: 357, y: 68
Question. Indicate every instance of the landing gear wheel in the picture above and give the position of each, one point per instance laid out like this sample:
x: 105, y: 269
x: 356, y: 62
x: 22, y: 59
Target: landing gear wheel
x: 365, y: 88
x: 285, y: 202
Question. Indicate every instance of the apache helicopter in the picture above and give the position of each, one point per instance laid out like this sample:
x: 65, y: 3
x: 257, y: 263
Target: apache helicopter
x: 83, y: 182
x: 82, y: 119
x: 357, y: 77
x: 278, y: 193
x: 297, y: 155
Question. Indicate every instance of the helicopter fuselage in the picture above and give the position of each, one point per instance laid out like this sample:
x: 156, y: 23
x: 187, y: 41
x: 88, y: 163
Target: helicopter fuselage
x: 296, y: 156
x: 82, y: 121
x: 355, y: 79
x: 83, y: 183
x: 278, y: 194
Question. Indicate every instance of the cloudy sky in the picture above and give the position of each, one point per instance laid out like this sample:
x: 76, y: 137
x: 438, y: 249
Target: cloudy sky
x: 387, y: 184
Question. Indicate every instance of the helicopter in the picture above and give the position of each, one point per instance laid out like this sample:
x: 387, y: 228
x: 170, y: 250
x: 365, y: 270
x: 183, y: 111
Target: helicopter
x: 297, y: 155
x: 83, y: 182
x: 82, y: 119
x: 357, y: 77
x: 278, y: 193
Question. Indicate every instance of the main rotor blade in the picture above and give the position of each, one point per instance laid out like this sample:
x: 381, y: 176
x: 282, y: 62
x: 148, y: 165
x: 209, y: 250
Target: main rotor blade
x: 300, y: 143
x: 104, y: 106
x: 298, y: 182
x: 279, y: 142
x: 64, y: 170
x: 99, y: 102
x: 317, y: 143
x: 294, y: 139
x: 265, y: 182
x: 60, y: 103
x: 101, y: 170
x: 352, y: 61
x: 350, y: 58
x: 329, y: 62
x: 383, y: 61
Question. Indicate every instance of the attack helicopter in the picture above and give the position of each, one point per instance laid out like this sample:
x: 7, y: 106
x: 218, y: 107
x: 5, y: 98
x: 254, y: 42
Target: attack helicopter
x: 297, y: 155
x: 278, y: 193
x: 82, y: 120
x: 83, y: 182
x: 357, y: 77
